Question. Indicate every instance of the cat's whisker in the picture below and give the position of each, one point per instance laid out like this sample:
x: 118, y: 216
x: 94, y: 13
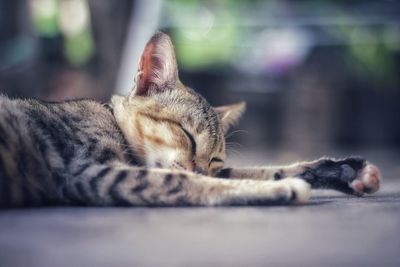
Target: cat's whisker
x: 234, y: 151
x: 235, y: 132
x: 231, y: 144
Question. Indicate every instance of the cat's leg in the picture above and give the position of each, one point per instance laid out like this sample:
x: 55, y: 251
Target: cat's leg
x: 125, y: 185
x: 353, y: 175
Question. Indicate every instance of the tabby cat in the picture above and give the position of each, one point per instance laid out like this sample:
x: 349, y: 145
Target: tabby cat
x: 163, y: 145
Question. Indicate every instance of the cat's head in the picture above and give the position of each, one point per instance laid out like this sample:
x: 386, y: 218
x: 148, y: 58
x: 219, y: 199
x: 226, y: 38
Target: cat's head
x: 168, y: 124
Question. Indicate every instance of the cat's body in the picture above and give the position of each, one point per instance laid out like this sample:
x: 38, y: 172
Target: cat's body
x: 161, y: 146
x: 44, y: 144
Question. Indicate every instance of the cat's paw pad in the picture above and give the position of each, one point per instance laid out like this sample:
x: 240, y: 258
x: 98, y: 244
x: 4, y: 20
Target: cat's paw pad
x: 367, y: 181
x: 353, y: 175
x: 296, y: 191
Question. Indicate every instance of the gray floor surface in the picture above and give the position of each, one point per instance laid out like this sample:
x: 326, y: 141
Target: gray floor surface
x: 332, y: 230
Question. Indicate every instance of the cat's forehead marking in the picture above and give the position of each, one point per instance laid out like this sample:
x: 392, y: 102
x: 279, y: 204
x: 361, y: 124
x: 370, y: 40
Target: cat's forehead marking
x: 189, y: 120
x: 141, y: 127
x: 200, y: 127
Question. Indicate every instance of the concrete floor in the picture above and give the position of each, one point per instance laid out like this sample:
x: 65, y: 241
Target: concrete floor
x: 332, y: 230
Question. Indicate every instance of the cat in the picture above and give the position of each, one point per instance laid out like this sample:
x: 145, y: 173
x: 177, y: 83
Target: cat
x: 163, y: 145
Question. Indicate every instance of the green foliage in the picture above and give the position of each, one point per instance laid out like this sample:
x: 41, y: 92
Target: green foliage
x: 203, y: 42
x: 79, y: 48
x: 45, y: 19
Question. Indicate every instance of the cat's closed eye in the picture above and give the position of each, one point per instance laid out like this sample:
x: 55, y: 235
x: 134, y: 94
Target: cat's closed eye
x: 216, y: 159
x: 192, y: 141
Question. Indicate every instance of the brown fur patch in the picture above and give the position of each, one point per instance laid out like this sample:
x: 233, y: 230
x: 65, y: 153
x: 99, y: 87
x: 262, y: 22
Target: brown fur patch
x: 155, y: 139
x: 157, y: 119
x: 200, y: 128
x: 189, y: 121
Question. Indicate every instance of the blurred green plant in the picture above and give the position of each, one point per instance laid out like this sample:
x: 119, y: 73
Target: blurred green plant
x: 370, y: 53
x: 45, y: 15
x: 79, y: 48
x: 202, y: 43
x: 215, y: 32
x: 71, y: 19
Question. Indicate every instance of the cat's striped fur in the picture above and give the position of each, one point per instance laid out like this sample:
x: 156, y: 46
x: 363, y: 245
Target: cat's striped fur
x: 161, y: 146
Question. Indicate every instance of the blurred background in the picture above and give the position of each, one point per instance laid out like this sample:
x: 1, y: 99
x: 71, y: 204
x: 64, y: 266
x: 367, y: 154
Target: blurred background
x: 319, y: 77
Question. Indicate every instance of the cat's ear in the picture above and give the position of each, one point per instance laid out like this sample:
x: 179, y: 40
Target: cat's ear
x: 158, y: 70
x: 230, y: 114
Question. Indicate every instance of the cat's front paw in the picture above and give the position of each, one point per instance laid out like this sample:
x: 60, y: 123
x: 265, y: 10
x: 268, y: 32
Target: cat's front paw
x: 286, y: 191
x: 294, y: 190
x: 352, y: 175
x: 252, y: 192
x: 367, y: 181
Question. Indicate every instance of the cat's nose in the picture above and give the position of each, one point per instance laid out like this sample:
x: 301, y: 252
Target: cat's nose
x: 200, y: 170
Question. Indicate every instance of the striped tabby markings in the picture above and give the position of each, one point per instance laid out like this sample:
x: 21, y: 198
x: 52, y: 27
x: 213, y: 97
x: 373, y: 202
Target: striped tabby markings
x: 56, y: 136
x: 189, y: 121
x: 178, y: 188
x: 5, y: 194
x: 82, y: 192
x: 167, y: 179
x: 143, y: 136
x: 11, y: 185
x: 174, y: 183
x: 106, y: 155
x: 24, y: 168
x: 70, y: 196
x: 3, y: 142
x: 142, y: 182
x: 200, y: 128
x: 153, y: 139
x: 82, y: 168
x: 115, y: 190
x: 10, y: 119
x: 96, y: 180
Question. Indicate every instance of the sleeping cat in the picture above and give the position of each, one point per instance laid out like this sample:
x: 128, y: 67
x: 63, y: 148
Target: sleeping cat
x: 163, y: 145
